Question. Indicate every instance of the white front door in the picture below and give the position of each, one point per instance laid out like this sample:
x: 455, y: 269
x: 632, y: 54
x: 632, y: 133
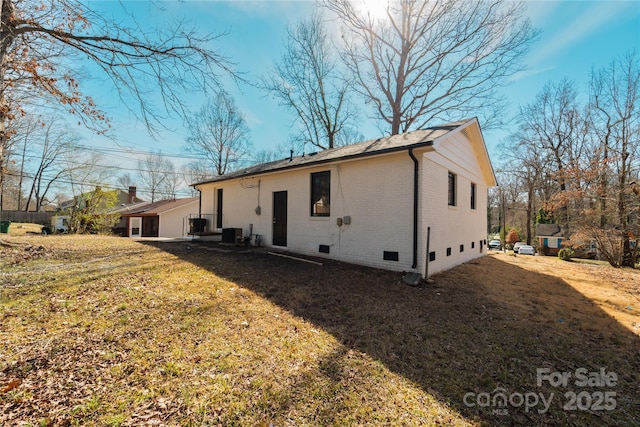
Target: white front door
x: 135, y: 227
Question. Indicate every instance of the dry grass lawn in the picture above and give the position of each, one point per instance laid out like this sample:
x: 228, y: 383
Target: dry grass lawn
x: 21, y: 229
x: 106, y: 331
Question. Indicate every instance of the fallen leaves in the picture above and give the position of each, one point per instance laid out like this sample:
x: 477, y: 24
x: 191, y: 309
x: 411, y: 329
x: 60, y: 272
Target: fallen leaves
x: 17, y: 253
x: 106, y: 331
x: 12, y: 384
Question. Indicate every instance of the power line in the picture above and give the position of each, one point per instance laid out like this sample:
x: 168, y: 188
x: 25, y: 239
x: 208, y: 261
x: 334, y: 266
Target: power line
x: 80, y: 163
x: 134, y: 151
x: 182, y: 190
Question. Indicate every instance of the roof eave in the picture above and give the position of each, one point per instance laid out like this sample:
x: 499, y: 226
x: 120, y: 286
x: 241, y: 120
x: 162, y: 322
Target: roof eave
x: 319, y: 162
x: 477, y: 140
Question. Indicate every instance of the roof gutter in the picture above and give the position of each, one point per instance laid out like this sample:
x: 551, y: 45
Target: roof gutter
x: 415, y: 208
x: 288, y: 166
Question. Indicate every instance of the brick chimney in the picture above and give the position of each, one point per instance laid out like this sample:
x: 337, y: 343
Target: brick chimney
x: 132, y: 194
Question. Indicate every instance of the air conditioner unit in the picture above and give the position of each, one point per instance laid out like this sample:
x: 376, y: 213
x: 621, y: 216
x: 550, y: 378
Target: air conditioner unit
x: 231, y: 235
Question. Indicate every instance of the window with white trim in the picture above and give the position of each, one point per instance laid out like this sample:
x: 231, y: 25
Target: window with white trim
x: 321, y: 193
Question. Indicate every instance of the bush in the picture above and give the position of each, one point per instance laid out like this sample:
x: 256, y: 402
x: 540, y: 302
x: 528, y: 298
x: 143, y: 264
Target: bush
x: 513, y: 236
x: 565, y: 254
x: 543, y: 250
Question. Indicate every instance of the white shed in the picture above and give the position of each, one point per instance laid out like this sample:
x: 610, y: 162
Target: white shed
x: 379, y: 203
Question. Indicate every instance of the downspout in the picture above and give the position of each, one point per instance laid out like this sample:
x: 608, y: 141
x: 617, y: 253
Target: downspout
x: 199, y: 203
x: 415, y: 208
x: 426, y: 260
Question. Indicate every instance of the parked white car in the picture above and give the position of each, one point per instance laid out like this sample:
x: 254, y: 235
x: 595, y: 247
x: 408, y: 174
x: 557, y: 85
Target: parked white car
x: 495, y: 244
x: 526, y: 250
x: 517, y: 246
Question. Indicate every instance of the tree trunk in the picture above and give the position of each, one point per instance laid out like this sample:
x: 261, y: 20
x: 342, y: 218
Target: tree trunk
x: 529, y: 211
x: 602, y: 196
x: 6, y: 38
x: 627, y: 256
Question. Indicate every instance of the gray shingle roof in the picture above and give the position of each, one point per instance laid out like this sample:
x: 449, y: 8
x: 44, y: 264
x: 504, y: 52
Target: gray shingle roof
x: 417, y: 138
x: 156, y: 208
x: 549, y: 230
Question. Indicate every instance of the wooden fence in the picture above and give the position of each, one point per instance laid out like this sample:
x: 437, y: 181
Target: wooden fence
x: 29, y: 217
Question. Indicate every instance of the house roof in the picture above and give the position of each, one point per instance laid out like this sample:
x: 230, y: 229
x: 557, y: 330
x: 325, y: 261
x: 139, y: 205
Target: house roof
x: 414, y: 139
x: 549, y: 230
x: 123, y: 199
x: 155, y: 208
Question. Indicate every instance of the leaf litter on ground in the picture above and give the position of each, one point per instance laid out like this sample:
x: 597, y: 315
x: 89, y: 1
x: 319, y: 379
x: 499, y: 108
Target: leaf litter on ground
x: 101, y: 330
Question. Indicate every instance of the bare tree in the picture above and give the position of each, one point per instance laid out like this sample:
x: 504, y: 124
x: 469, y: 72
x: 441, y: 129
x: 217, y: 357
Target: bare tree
x: 434, y: 60
x: 172, y: 182
x: 42, y: 44
x: 192, y: 173
x: 38, y: 150
x: 556, y: 123
x: 507, y: 198
x: 23, y: 127
x: 48, y: 166
x: 528, y: 164
x: 85, y: 171
x: 265, y: 156
x: 219, y: 134
x: 307, y: 82
x: 615, y: 112
x: 125, y: 181
x: 157, y: 175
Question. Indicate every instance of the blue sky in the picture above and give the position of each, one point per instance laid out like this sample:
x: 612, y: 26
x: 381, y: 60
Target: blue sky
x: 576, y: 37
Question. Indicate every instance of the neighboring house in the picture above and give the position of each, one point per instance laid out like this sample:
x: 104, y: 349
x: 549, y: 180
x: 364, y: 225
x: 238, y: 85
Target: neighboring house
x: 94, y: 211
x: 550, y: 237
x: 166, y: 218
x: 379, y: 203
x: 124, y: 198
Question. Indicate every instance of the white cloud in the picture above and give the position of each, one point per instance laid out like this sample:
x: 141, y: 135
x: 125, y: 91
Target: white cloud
x: 530, y: 72
x: 252, y: 118
x: 539, y: 11
x: 271, y: 8
x: 569, y: 23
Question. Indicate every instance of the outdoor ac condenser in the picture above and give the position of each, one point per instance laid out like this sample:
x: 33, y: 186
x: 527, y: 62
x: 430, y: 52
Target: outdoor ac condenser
x: 231, y: 235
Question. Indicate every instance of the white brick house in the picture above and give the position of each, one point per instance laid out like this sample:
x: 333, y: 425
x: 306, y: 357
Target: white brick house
x: 378, y: 203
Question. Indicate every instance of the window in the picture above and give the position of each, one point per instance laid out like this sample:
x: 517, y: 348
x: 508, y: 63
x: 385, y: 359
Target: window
x: 219, y: 208
x: 321, y: 193
x: 452, y: 189
x: 473, y: 196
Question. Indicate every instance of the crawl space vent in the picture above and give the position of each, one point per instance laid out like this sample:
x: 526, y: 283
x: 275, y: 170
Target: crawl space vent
x: 390, y: 256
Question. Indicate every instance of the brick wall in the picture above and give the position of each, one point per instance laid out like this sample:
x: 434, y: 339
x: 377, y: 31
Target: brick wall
x: 377, y: 194
x: 459, y: 228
